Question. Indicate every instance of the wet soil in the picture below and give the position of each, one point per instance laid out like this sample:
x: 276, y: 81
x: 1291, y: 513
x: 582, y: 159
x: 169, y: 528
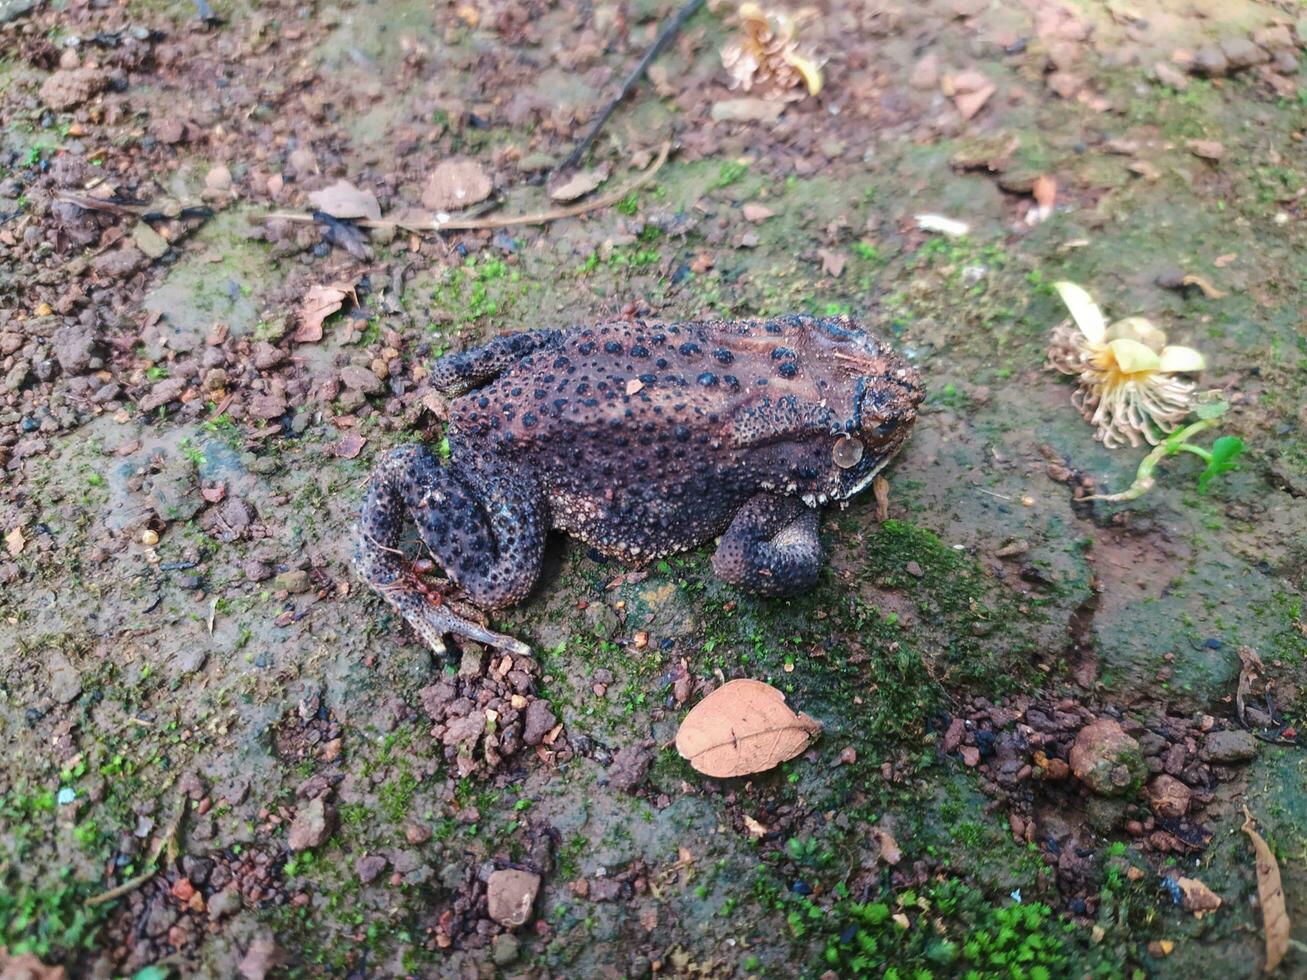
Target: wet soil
x: 200, y: 702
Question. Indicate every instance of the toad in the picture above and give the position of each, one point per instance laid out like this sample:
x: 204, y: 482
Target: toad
x: 642, y: 439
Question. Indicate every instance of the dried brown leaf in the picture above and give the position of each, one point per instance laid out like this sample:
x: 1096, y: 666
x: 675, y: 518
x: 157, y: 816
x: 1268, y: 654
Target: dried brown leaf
x: 970, y: 103
x: 320, y: 302
x: 743, y: 727
x: 15, y: 542
x: 880, y: 491
x: 579, y: 184
x: 754, y: 828
x: 1045, y: 191
x: 1197, y: 897
x: 890, y: 852
x: 27, y: 966
x: 832, y: 262
x: 757, y: 212
x: 456, y: 184
x: 1270, y: 896
x: 349, y: 446
x: 343, y: 200
x: 1144, y: 169
x: 1206, y: 149
x: 1210, y: 291
x: 1250, y: 668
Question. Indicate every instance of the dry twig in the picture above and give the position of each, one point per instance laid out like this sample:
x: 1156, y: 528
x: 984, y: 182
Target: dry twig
x: 506, y: 221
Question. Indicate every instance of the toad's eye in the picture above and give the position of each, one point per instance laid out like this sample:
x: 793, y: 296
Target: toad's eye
x: 847, y: 452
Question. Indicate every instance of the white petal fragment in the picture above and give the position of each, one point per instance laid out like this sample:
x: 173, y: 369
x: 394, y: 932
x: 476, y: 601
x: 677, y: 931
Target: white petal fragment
x: 1088, y: 317
x: 943, y: 225
x: 1180, y: 360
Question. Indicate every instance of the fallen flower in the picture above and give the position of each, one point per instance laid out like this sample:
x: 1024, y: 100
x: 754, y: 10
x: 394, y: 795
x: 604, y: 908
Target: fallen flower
x: 765, y: 56
x: 1127, y: 373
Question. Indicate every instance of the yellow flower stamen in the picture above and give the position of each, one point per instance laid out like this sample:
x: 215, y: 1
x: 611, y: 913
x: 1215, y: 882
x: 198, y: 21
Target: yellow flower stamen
x: 1127, y: 384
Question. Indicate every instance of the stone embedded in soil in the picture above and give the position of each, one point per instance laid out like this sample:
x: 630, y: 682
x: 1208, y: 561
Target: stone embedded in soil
x: 267, y: 406
x: 630, y: 766
x: 1209, y: 61
x: 466, y: 729
x: 360, y: 379
x: 1242, y: 53
x: 65, y: 679
x: 504, y: 949
x: 311, y: 825
x: 603, y: 620
x: 165, y: 391
x: 68, y: 88
x: 119, y: 263
x: 294, y: 581
x: 539, y: 721
x: 226, y: 902
x: 75, y: 348
x: 747, y: 110
x: 510, y: 894
x: 1228, y: 747
x: 369, y: 867
x: 1169, y: 797
x: 1107, y: 760
x: 1105, y: 814
x: 259, y: 960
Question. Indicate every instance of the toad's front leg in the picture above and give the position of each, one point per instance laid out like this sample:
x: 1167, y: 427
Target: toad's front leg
x: 484, y: 526
x: 772, y: 547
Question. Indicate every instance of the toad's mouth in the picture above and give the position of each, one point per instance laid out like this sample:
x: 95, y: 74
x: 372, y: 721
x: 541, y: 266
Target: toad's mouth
x: 843, y: 496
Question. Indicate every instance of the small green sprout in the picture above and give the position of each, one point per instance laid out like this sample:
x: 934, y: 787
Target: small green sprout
x: 1221, y: 458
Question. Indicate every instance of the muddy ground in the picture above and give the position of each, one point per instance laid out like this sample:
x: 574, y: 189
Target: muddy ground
x: 203, y: 710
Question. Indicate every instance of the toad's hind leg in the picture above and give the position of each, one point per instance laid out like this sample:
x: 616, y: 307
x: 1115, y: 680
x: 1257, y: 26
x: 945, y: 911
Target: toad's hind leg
x: 485, y: 528
x: 772, y: 547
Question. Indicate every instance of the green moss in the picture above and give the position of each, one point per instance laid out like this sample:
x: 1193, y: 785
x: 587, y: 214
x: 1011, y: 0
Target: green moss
x: 947, y: 928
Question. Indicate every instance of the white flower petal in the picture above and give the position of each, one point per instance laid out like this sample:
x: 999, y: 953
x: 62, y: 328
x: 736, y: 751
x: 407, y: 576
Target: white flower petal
x: 1178, y: 360
x: 1088, y: 317
x: 1132, y: 356
x: 1138, y: 328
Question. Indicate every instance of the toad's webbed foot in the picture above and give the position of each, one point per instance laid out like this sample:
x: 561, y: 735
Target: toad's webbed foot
x: 485, y: 528
x: 772, y: 547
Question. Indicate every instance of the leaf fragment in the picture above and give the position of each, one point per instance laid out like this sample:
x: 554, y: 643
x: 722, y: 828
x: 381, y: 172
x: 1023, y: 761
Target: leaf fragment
x: 15, y: 542
x: 743, y: 727
x: 1197, y: 897
x: 456, y: 184
x: 1225, y: 451
x: 1270, y: 896
x: 890, y: 852
x: 320, y: 302
x: 578, y: 185
x: 343, y: 200
x: 1210, y: 291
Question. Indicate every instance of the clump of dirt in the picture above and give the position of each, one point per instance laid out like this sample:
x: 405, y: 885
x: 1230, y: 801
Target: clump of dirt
x: 489, y: 716
x: 309, y: 731
x: 173, y: 914
x: 1025, y: 755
